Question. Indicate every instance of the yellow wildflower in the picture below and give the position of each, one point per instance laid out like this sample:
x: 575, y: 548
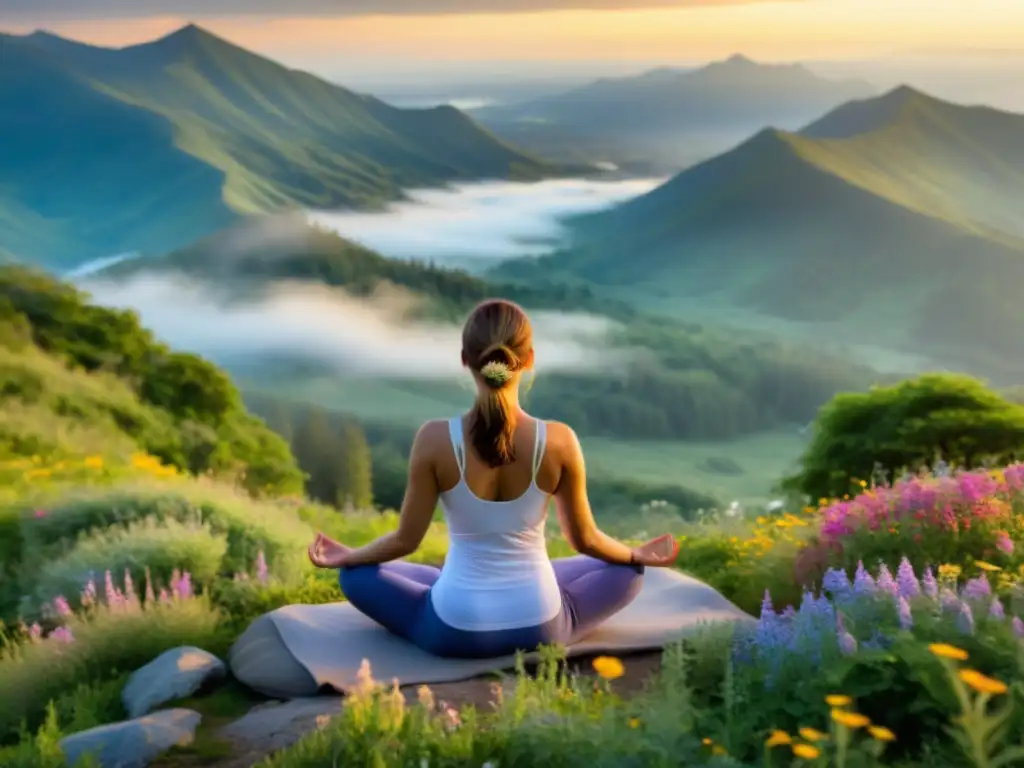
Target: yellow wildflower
x: 426, y: 697
x: 947, y: 651
x: 949, y: 571
x: 838, y: 700
x: 850, y: 719
x: 881, y: 733
x: 634, y: 722
x: 863, y: 483
x: 608, y: 667
x: 94, y: 462
x: 778, y: 738
x: 706, y: 741
x: 812, y: 734
x: 987, y: 566
x: 981, y: 683
x: 718, y: 749
x: 806, y: 751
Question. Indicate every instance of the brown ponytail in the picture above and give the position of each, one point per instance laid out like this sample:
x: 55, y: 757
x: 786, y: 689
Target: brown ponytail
x: 496, y: 344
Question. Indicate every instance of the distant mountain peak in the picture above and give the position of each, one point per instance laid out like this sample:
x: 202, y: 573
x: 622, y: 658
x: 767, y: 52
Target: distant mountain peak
x: 738, y: 59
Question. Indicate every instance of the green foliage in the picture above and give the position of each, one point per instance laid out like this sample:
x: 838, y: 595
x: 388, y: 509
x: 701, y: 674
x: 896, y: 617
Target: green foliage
x: 336, y: 457
x: 907, y: 426
x: 160, y: 546
x: 107, y: 645
x: 175, y: 406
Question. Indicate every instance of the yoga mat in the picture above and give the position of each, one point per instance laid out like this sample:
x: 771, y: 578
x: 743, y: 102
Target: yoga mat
x: 295, y: 650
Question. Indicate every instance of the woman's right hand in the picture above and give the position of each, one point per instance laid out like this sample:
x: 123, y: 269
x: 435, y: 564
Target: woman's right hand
x: 657, y: 553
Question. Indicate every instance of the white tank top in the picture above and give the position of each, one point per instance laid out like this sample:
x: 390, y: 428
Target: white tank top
x: 497, y: 574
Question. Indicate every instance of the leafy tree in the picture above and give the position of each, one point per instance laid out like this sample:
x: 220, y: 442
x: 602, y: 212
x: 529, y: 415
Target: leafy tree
x: 356, y: 481
x: 905, y: 427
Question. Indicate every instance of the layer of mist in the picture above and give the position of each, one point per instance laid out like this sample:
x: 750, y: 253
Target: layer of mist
x: 480, y: 223
x: 358, y: 337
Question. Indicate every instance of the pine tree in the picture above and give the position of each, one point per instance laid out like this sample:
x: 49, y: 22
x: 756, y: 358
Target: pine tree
x: 356, y: 478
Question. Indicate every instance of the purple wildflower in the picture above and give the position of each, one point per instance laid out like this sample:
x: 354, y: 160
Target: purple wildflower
x: 978, y: 588
x: 63, y: 635
x: 996, y: 610
x: 948, y: 600
x: 905, y: 616
x: 965, y: 618
x: 836, y: 582
x: 767, y: 609
x: 929, y: 585
x: 62, y: 606
x: 886, y: 583
x: 847, y: 642
x: 1018, y: 628
x: 262, y: 572
x: 183, y: 587
x: 906, y: 580
x: 863, y: 584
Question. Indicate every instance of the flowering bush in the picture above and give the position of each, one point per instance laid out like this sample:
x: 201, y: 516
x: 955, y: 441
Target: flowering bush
x: 949, y: 518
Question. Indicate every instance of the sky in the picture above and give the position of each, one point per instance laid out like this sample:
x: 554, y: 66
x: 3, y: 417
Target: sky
x: 528, y: 36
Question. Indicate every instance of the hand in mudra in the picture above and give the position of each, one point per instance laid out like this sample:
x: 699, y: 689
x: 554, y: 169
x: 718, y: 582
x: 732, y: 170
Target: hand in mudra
x: 325, y: 552
x: 657, y: 553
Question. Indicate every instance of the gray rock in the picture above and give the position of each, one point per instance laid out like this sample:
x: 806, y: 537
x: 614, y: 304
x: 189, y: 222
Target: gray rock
x: 133, y: 743
x: 174, y: 674
x: 276, y: 725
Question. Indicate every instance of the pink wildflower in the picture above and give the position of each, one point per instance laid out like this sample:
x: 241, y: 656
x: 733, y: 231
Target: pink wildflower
x: 996, y: 610
x: 1018, y: 628
x: 62, y: 635
x: 150, y: 597
x: 89, y: 593
x: 909, y: 586
x: 61, y: 606
x: 1004, y: 543
x: 885, y: 581
x: 164, y: 597
x: 39, y: 513
x: 905, y: 616
x: 262, y: 572
x: 35, y: 632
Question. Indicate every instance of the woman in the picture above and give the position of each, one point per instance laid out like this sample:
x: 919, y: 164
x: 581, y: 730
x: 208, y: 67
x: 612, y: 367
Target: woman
x: 494, y: 471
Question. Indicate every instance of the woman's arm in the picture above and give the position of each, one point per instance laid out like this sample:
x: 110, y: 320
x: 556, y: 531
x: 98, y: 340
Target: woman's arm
x: 574, y: 513
x: 421, y: 494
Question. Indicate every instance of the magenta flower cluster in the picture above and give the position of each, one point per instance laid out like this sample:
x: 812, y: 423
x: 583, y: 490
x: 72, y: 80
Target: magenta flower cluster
x: 947, y: 502
x: 262, y: 570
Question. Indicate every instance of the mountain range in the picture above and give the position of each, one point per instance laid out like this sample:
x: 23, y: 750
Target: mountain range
x: 894, y: 219
x: 669, y: 114
x: 148, y: 147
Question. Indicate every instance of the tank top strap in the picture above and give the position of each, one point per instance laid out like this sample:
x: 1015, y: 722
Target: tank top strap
x: 455, y: 432
x: 540, y: 441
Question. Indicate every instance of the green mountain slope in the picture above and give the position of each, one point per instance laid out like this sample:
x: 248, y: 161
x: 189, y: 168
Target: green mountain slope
x: 668, y: 113
x: 176, y: 138
x: 905, y: 226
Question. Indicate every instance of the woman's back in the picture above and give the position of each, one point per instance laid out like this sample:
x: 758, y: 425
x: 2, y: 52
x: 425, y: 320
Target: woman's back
x: 497, y: 574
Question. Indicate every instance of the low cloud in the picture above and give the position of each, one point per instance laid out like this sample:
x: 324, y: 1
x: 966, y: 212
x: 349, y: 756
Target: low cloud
x: 480, y: 222
x: 357, y: 337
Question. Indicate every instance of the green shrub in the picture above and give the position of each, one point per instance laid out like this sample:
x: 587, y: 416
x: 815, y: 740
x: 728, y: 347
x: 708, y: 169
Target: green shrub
x: 107, y: 644
x: 160, y: 546
x: 249, y: 526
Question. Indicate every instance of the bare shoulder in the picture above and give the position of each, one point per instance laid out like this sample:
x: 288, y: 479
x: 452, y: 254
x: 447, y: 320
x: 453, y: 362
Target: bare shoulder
x: 562, y: 439
x: 431, y: 436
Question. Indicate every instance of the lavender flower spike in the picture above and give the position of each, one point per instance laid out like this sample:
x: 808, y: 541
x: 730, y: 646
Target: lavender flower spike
x: 905, y: 616
x: 929, y: 584
x: 978, y: 588
x: 996, y: 610
x: 965, y: 619
x: 885, y: 582
x: 906, y: 580
x: 847, y: 642
x: 1018, y: 628
x: 863, y: 584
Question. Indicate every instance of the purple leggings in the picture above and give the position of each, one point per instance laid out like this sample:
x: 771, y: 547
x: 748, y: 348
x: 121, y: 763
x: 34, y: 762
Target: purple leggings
x: 397, y: 596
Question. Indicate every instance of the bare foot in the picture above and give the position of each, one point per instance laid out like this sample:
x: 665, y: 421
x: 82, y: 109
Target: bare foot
x: 325, y: 552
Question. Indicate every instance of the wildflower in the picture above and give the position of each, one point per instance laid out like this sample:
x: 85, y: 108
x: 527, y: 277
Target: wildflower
x: 164, y: 597
x: 835, y: 582
x: 881, y: 733
x: 847, y: 642
x: 981, y: 683
x: 850, y: 719
x: 706, y: 741
x: 946, y: 651
x: 94, y: 462
x: 609, y: 667
x: 129, y: 588
x: 149, y: 596
x: 996, y: 610
x: 425, y: 697
x: 929, y: 585
x: 806, y: 751
x: 863, y: 584
x: 718, y: 749
x: 35, y: 631
x: 812, y: 734
x: 1004, y: 543
x: 88, y: 596
x: 182, y: 585
x: 365, y: 684
x: 838, y: 700
x: 778, y: 738
x: 1018, y: 628
x: 905, y: 616
x: 322, y: 721
x: 977, y: 588
x: 987, y: 566
x: 906, y: 580
x: 62, y: 635
x: 39, y: 513
x: 965, y: 618
x: 61, y: 606
x: 634, y: 722
x: 885, y: 582
x: 451, y: 718
x: 261, y: 568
